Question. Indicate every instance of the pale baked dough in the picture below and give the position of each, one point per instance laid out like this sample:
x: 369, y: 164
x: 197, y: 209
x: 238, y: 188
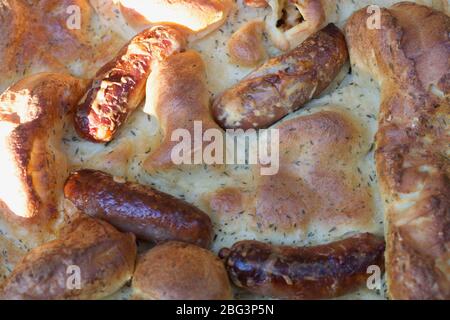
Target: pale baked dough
x: 180, y: 271
x: 103, y: 256
x: 246, y: 45
x: 318, y: 182
x: 410, y: 59
x: 32, y: 117
x: 177, y: 96
x: 197, y: 16
x: 291, y: 22
x: 52, y: 35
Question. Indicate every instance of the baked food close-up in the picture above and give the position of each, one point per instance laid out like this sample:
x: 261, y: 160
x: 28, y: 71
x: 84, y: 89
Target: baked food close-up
x: 224, y: 149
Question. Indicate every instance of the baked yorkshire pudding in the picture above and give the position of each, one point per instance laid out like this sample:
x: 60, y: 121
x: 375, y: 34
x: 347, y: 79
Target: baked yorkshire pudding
x: 177, y: 270
x: 32, y: 118
x: 409, y: 56
x: 246, y: 46
x: 177, y: 95
x: 317, y: 185
x: 197, y: 16
x: 90, y: 260
x: 292, y: 21
x: 51, y: 35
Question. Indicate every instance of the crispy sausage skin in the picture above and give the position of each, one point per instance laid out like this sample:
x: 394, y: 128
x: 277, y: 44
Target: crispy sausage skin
x: 119, y: 86
x: 104, y: 257
x: 320, y: 272
x: 148, y: 213
x: 284, y: 83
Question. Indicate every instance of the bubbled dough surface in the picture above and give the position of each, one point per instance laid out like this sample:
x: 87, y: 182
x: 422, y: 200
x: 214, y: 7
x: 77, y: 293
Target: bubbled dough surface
x: 356, y: 98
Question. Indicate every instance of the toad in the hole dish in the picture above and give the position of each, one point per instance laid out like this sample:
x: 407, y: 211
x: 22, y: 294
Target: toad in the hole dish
x: 93, y: 92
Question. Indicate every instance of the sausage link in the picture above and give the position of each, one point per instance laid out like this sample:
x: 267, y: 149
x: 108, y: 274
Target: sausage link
x: 320, y: 272
x: 119, y: 86
x: 283, y: 84
x: 148, y: 213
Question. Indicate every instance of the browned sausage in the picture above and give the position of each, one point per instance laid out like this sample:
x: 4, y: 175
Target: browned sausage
x: 148, y: 213
x: 119, y: 86
x: 283, y: 84
x: 319, y: 272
